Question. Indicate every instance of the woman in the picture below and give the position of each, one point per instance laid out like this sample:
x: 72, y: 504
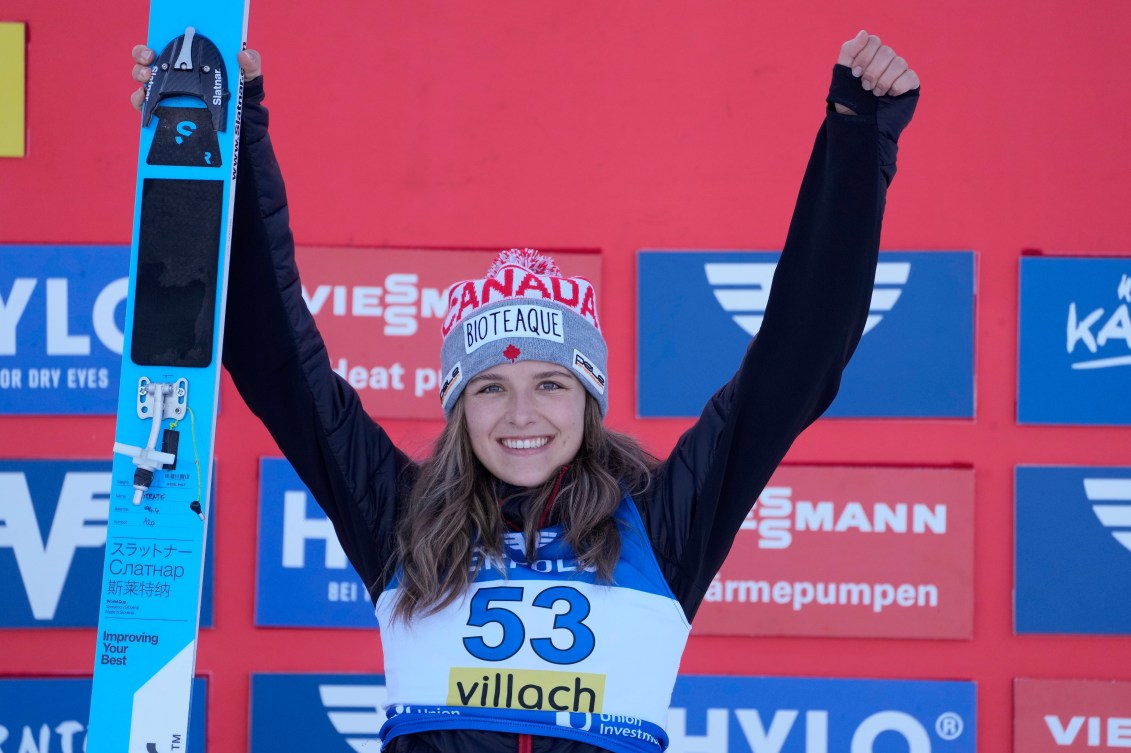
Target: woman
x: 536, y: 577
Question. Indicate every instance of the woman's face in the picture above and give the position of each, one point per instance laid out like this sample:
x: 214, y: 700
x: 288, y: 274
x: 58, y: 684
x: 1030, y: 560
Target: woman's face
x: 525, y: 419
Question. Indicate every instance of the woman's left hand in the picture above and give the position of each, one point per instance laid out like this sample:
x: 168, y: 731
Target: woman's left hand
x: 880, y: 70
x: 250, y: 62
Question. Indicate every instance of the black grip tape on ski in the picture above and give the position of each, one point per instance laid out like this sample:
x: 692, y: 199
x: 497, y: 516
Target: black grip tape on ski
x: 178, y: 262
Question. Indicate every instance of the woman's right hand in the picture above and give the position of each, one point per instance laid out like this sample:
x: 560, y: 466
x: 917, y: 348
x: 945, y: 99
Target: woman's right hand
x: 250, y: 62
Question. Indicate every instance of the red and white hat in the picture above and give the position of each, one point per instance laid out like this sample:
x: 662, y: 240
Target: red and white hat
x: 523, y: 310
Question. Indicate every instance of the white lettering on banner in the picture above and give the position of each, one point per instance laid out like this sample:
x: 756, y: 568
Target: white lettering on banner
x: 400, y: 302
x: 105, y: 326
x: 387, y: 377
x: 1117, y: 327
x: 298, y: 529
x: 1118, y: 730
x: 65, y: 730
x: 801, y: 594
x: 60, y: 341
x: 80, y: 520
x: 756, y: 734
x: 918, y: 741
x: 342, y: 591
x: 759, y: 739
x: 79, y: 378
x: 43, y: 378
x: 357, y: 713
x: 373, y: 378
x: 11, y: 309
x: 716, y: 740
x: 776, y: 517
x: 40, y: 378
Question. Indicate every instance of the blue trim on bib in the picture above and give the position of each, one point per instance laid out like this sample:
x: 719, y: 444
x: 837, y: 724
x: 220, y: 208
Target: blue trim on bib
x: 615, y: 733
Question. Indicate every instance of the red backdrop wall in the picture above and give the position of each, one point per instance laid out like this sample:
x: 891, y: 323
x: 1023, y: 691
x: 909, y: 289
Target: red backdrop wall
x: 620, y: 126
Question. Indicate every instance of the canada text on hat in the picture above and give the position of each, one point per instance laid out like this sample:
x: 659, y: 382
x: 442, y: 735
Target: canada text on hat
x: 521, y: 273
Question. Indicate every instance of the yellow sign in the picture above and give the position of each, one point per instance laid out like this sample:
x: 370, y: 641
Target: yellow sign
x: 542, y: 690
x: 13, y: 54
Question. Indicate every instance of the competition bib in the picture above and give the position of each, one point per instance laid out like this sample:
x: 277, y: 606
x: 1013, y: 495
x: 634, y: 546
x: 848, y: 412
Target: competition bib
x: 542, y: 648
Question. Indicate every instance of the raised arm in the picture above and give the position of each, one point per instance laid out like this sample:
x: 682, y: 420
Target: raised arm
x: 278, y: 360
x: 814, y: 318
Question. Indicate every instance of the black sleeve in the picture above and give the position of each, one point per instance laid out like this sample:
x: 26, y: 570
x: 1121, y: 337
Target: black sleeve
x: 279, y: 364
x: 791, y: 372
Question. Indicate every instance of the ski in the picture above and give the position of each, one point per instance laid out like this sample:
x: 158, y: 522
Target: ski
x: 160, y: 497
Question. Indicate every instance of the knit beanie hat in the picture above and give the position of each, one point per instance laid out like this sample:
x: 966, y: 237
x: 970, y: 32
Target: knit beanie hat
x: 523, y: 310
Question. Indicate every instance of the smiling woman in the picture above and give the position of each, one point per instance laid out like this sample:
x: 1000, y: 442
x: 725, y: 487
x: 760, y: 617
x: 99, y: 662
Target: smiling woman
x: 524, y: 445
x: 535, y: 577
x: 525, y: 420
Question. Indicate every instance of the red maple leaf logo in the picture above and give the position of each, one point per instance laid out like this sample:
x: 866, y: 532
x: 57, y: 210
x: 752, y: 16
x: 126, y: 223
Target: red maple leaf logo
x: 512, y: 352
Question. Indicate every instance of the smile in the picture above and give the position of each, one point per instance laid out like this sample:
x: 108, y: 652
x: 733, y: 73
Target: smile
x: 524, y: 444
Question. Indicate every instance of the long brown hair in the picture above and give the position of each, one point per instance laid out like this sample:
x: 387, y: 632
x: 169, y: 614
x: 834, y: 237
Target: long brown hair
x: 453, y: 511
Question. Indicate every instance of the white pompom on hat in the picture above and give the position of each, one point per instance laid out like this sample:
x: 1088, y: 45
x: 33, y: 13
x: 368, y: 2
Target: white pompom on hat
x: 523, y: 310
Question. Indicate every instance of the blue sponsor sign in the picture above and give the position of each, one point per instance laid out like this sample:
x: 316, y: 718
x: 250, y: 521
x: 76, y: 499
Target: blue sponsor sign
x: 62, y: 315
x: 699, y: 310
x: 1074, y: 362
x: 53, y: 543
x: 303, y: 578
x: 340, y: 713
x: 1073, y: 550
x: 331, y: 713
x: 788, y: 715
x: 52, y: 714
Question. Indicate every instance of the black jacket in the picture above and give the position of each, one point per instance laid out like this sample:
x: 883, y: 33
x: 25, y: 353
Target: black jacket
x: 700, y: 495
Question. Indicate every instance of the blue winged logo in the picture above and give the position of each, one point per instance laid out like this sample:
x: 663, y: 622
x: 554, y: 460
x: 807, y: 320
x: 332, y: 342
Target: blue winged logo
x: 357, y: 713
x: 1113, y: 496
x: 742, y: 289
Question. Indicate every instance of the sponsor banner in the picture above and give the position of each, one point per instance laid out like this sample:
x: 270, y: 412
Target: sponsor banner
x: 1081, y: 516
x: 62, y: 313
x: 1074, y: 363
x: 1051, y: 715
x: 380, y: 311
x: 303, y: 578
x: 339, y: 713
x: 854, y: 552
x: 330, y: 713
x: 53, y: 543
x: 915, y: 360
x: 45, y: 714
x: 792, y: 715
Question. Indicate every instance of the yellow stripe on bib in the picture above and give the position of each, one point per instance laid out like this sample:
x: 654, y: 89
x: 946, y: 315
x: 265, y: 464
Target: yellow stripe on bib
x: 529, y: 689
